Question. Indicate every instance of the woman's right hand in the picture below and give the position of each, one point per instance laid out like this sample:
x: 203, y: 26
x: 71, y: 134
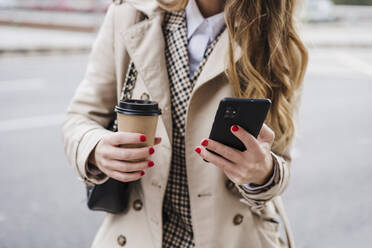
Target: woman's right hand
x: 123, y: 164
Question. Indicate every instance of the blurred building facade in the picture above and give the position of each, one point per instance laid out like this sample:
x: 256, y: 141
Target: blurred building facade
x: 62, y: 5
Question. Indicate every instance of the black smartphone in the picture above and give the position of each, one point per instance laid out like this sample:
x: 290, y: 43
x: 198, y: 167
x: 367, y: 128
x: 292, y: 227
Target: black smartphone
x: 246, y: 112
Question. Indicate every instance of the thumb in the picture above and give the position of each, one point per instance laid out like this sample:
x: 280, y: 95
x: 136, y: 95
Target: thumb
x: 266, y: 135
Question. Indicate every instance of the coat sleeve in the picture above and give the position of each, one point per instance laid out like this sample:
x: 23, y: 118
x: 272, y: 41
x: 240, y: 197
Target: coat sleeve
x: 256, y: 199
x: 91, y: 109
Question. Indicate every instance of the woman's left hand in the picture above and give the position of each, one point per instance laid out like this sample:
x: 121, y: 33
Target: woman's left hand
x: 254, y: 165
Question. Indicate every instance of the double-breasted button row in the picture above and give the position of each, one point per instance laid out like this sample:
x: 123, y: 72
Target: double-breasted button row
x: 137, y: 205
x: 122, y: 240
x: 238, y: 218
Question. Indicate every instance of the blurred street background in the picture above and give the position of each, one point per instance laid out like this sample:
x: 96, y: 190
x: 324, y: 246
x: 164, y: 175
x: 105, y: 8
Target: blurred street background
x: 44, y: 48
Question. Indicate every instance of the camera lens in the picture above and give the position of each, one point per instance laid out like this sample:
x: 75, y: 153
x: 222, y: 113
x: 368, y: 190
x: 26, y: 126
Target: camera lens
x: 230, y: 113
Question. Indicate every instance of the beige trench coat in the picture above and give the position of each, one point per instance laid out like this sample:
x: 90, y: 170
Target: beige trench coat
x: 221, y: 215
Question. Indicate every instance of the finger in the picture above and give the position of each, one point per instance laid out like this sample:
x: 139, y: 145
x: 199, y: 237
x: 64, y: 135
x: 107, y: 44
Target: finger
x: 218, y: 161
x: 157, y: 140
x: 127, y: 154
x: 246, y: 138
x: 266, y: 134
x: 227, y: 152
x: 124, y: 138
x: 126, y: 177
x: 126, y: 166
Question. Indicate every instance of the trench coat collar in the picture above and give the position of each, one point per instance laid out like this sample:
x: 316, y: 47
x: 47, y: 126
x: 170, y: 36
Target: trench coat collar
x: 147, y: 7
x: 146, y: 46
x: 217, y: 62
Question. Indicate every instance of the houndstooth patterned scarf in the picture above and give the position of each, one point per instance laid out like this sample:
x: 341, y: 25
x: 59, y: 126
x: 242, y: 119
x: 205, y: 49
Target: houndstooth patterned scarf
x: 177, y: 226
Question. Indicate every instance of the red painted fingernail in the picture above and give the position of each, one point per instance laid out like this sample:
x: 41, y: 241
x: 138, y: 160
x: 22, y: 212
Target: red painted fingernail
x: 142, y: 173
x: 151, y: 150
x: 151, y: 163
x: 143, y: 138
x: 235, y: 128
x: 205, y: 142
x: 198, y: 150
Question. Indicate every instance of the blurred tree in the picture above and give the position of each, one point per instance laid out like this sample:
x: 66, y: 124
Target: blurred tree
x: 353, y: 2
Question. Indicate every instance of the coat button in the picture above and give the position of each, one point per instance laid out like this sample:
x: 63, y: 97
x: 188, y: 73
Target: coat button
x: 229, y: 185
x: 145, y: 96
x: 238, y: 219
x: 122, y: 240
x: 137, y: 205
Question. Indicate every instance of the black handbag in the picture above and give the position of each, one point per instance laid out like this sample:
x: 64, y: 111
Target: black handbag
x: 112, y: 196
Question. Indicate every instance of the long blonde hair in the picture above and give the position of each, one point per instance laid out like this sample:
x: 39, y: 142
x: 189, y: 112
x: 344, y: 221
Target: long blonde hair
x: 273, y: 60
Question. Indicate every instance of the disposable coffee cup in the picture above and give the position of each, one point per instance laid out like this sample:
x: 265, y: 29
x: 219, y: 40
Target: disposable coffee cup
x: 138, y: 116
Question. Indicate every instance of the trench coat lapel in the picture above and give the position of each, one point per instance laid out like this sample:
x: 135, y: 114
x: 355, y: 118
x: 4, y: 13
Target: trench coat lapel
x: 217, y: 61
x: 145, y: 45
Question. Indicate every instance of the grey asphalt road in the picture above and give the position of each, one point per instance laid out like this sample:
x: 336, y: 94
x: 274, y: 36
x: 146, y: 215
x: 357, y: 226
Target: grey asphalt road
x: 329, y: 199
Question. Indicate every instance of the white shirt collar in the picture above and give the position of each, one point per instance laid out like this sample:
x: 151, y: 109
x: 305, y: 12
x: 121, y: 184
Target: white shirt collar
x: 194, y: 19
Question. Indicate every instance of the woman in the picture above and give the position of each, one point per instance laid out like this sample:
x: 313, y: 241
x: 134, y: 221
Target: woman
x: 187, y: 56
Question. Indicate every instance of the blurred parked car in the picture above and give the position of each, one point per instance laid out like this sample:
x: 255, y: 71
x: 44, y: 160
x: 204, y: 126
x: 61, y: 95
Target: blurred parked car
x: 319, y: 10
x: 62, y: 5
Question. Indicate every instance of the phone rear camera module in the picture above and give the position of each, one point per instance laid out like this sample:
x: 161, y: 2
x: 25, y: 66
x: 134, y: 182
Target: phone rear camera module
x: 230, y: 113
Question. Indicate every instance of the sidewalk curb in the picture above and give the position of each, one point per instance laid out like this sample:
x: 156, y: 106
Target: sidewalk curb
x: 45, y: 50
x: 76, y: 28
